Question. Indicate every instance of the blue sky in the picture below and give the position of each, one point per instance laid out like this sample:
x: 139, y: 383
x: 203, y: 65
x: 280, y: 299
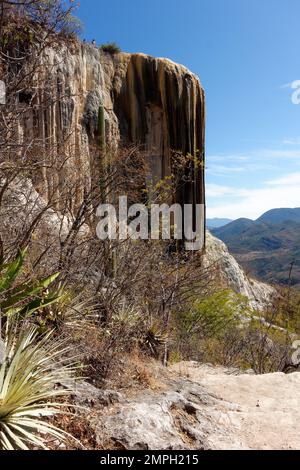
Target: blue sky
x: 247, y: 54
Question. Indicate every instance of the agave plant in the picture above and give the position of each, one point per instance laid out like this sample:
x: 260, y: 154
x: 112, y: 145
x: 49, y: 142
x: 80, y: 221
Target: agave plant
x: 155, y: 339
x: 29, y: 375
x: 126, y: 317
x: 27, y: 297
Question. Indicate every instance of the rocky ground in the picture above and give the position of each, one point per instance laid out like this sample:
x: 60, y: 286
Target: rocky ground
x: 195, y: 406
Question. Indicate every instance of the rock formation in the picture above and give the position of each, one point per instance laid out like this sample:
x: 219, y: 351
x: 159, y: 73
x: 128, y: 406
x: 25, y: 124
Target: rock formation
x: 199, y: 407
x: 234, y: 277
x: 125, y: 99
x: 153, y: 103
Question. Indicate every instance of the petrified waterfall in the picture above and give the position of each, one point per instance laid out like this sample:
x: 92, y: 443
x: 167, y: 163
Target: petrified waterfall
x: 161, y: 104
x: 151, y: 102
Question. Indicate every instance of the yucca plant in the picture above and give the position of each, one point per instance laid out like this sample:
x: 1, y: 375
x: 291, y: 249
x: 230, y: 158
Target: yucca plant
x: 29, y: 375
x: 30, y: 366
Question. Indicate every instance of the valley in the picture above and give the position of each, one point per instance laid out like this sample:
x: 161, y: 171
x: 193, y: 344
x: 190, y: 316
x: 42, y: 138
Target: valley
x: 267, y: 247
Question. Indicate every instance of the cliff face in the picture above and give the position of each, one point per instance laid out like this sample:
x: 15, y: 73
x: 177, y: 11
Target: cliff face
x: 150, y: 102
x: 260, y: 295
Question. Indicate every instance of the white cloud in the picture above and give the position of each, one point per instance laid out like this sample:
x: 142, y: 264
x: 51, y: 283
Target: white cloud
x: 228, y: 158
x: 293, y: 141
x: 215, y: 190
x: 287, y: 85
x: 253, y: 203
x: 258, y: 154
x: 267, y: 153
x: 284, y: 191
x: 224, y: 170
x: 291, y: 179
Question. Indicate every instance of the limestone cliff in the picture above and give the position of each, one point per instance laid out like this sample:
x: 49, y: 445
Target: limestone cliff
x: 150, y: 102
x: 259, y: 294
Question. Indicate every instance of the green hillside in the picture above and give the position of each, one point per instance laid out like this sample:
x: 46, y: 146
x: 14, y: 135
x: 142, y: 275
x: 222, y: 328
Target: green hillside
x: 265, y: 250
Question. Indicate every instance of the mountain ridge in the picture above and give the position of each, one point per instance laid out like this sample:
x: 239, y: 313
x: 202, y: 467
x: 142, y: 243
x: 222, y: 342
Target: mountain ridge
x: 280, y: 215
x: 217, y: 222
x: 266, y: 249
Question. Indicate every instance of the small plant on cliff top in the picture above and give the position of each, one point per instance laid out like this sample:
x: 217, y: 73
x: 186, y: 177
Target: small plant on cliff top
x: 111, y: 48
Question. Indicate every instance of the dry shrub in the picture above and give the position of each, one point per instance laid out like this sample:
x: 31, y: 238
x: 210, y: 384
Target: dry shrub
x: 77, y: 422
x: 222, y: 330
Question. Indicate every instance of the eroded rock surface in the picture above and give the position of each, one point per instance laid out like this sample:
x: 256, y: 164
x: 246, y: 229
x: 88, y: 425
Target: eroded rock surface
x: 205, y: 407
x: 151, y: 102
x: 232, y: 274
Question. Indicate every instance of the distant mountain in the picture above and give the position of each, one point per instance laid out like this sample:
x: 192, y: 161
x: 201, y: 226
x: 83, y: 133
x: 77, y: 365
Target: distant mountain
x: 277, y: 216
x: 216, y: 222
x: 242, y: 237
x: 266, y: 247
x: 233, y: 229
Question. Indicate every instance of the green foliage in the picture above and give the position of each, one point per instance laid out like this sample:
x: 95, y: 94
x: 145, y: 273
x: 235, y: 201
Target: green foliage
x: 208, y: 320
x: 212, y: 315
x: 110, y: 48
x: 28, y: 377
x: 222, y: 329
x: 70, y: 312
x: 102, y: 150
x: 25, y: 298
x: 28, y: 382
x: 288, y: 310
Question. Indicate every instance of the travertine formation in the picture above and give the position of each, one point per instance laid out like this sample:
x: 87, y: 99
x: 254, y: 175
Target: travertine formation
x: 150, y: 102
